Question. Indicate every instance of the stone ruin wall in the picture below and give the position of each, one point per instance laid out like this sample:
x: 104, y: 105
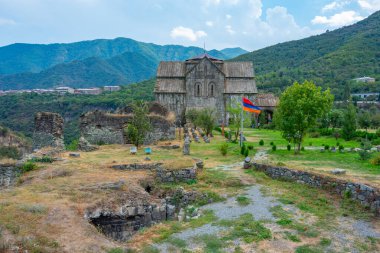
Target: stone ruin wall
x: 8, y: 175
x: 48, y: 130
x: 100, y: 127
x: 366, y: 195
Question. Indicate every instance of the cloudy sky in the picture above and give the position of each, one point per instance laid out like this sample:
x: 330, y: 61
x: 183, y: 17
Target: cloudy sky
x: 250, y: 24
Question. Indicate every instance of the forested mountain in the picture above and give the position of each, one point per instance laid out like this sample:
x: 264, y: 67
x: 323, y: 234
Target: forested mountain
x: 329, y: 59
x: 90, y: 63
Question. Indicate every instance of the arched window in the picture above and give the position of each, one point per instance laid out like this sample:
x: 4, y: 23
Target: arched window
x: 198, y: 90
x: 211, y: 90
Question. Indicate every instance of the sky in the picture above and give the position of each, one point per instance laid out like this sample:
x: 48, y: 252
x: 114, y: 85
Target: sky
x: 218, y: 24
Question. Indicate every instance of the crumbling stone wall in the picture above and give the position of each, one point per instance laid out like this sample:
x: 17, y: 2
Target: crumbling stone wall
x: 8, y: 175
x: 368, y: 196
x: 100, y: 127
x: 120, y: 221
x: 48, y: 130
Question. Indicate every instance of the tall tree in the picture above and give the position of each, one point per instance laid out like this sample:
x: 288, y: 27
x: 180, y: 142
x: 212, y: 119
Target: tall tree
x: 206, y: 120
x: 364, y: 120
x: 299, y: 108
x: 140, y: 124
x: 234, y: 111
x: 349, y: 122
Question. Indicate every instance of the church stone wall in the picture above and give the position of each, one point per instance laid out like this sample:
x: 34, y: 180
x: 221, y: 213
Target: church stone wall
x: 48, y: 130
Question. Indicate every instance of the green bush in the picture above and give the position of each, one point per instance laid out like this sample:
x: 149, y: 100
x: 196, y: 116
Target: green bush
x: 364, y: 155
x: 261, y: 142
x: 376, y: 142
x: 73, y: 146
x: 218, y: 129
x: 224, y: 149
x: 271, y: 143
x: 28, y: 166
x: 327, y: 147
x: 242, y: 149
x: 376, y: 160
x: 274, y: 148
x: 250, y: 147
x: 303, y: 149
x: 9, y: 152
x: 341, y: 148
x: 288, y: 147
x: 44, y: 159
x: 246, y: 152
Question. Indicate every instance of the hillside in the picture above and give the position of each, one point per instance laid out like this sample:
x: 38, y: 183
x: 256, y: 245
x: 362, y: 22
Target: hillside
x: 17, y: 111
x: 90, y: 63
x: 328, y: 59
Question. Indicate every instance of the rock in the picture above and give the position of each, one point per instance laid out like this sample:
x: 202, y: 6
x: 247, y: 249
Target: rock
x: 85, y: 146
x: 74, y: 155
x: 199, y: 164
x: 147, y: 158
x: 378, y: 148
x: 247, y: 163
x: 338, y: 171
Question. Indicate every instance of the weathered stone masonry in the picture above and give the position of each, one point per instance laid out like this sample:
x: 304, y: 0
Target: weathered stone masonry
x: 367, y: 196
x: 48, y: 130
x: 8, y: 175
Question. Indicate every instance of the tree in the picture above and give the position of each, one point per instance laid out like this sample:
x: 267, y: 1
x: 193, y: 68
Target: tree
x: 140, y: 124
x: 349, y: 122
x: 336, y: 117
x: 234, y: 111
x: 206, y: 120
x: 192, y: 115
x: 364, y: 120
x: 299, y: 108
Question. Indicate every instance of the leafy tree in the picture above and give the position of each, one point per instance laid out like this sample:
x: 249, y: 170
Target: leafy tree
x: 192, y: 115
x: 349, y: 122
x: 140, y: 124
x: 206, y: 120
x: 364, y: 120
x: 299, y: 108
x: 335, y: 118
x: 234, y: 111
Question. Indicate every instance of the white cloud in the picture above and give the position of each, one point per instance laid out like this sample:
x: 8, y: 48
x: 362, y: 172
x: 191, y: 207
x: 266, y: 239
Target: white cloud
x: 209, y: 23
x: 228, y: 16
x: 369, y: 5
x: 187, y: 33
x: 230, y: 30
x: 339, y: 19
x: 335, y: 5
x: 5, y: 21
x: 256, y: 7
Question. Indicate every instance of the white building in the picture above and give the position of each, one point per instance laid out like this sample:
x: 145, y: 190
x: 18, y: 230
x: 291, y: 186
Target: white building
x: 111, y: 88
x: 64, y: 90
x: 88, y: 91
x: 365, y: 79
x: 366, y: 95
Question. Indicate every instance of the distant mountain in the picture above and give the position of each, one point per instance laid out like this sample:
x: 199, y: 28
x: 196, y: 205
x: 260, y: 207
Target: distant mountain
x: 90, y: 63
x: 329, y: 59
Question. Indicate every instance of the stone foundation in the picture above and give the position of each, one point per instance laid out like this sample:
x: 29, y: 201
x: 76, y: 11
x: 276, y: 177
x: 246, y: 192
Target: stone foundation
x: 366, y: 195
x: 8, y: 175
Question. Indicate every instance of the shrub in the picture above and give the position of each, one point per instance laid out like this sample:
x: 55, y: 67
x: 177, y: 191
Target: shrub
x: 376, y: 160
x: 341, y: 148
x: 44, y: 159
x: 261, y: 142
x: 338, y: 144
x: 271, y: 143
x: 378, y: 132
x: 224, y: 149
x: 314, y: 135
x: 73, y: 146
x: 376, y: 141
x: 250, y: 147
x: 303, y: 149
x: 218, y: 129
x: 28, y: 166
x: 246, y: 153
x: 327, y: 147
x: 364, y: 155
x: 9, y: 152
x: 288, y: 147
x: 310, y: 144
x: 242, y: 149
x: 226, y: 134
x: 274, y: 148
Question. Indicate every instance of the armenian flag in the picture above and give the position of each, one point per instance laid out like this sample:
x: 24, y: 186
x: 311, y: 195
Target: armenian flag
x: 248, y: 106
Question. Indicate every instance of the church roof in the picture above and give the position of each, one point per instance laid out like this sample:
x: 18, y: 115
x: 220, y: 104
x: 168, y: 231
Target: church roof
x: 171, y: 69
x: 266, y: 100
x: 204, y: 55
x: 238, y: 69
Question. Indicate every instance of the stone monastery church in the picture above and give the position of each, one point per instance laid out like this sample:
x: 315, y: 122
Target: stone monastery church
x: 203, y: 81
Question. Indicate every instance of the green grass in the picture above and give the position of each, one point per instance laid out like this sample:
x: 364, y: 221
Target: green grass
x: 213, y: 244
x: 308, y: 249
x: 246, y: 228
x: 291, y: 237
x: 243, y: 200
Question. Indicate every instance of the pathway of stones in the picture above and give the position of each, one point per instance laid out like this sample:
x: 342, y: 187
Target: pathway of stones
x: 348, y: 236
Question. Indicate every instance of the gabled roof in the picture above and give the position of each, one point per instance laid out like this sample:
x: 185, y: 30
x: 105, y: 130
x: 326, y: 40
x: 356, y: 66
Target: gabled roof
x: 238, y: 69
x: 171, y: 69
x: 266, y: 100
x: 204, y: 55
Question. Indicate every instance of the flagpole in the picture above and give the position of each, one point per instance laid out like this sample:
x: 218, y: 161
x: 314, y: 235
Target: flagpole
x: 241, y: 124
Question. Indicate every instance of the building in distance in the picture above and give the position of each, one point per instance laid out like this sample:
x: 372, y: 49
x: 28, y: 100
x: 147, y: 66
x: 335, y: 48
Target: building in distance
x: 111, y: 88
x: 365, y: 79
x: 88, y: 91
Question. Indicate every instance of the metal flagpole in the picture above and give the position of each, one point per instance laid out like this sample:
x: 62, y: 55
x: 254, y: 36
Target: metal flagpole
x: 241, y: 126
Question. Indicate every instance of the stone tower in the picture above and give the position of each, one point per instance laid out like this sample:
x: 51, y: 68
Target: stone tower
x: 201, y: 82
x: 48, y: 130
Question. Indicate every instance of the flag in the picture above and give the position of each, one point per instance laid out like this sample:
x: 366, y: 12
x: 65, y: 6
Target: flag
x: 248, y: 106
